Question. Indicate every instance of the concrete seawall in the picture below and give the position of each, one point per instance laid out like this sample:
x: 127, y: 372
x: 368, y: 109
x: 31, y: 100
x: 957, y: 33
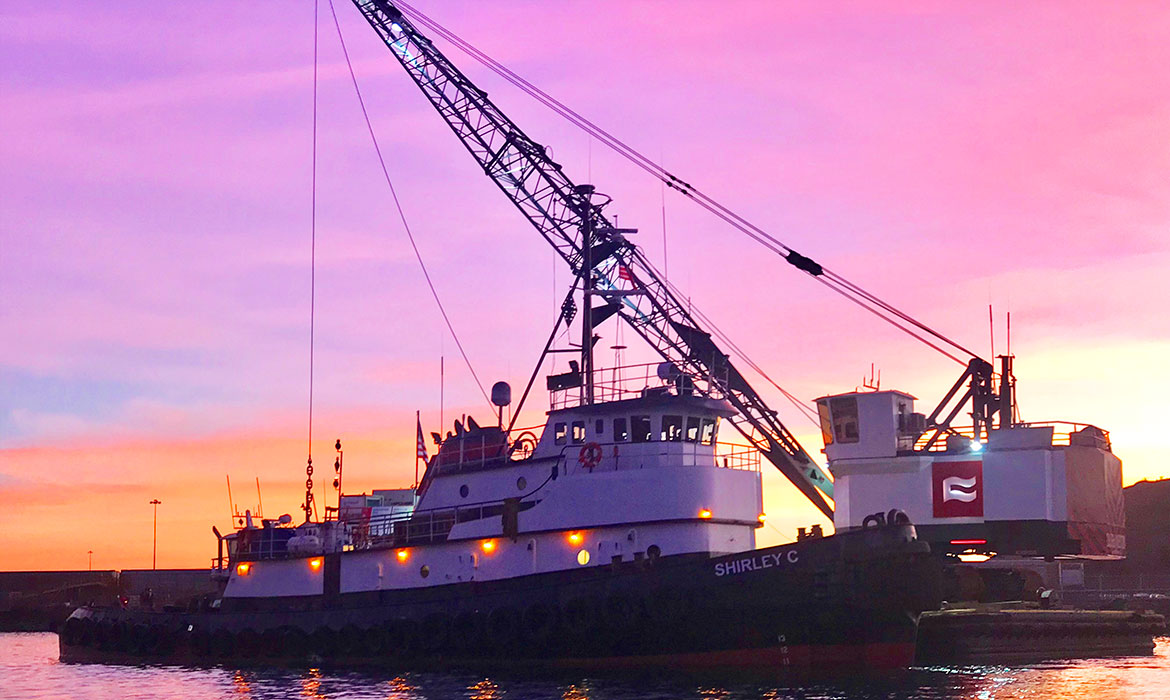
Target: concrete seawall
x: 39, y: 601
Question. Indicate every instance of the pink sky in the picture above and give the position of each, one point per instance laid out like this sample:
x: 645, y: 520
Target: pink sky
x: 154, y: 228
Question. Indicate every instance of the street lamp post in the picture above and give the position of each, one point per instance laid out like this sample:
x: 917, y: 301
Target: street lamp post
x: 154, y: 554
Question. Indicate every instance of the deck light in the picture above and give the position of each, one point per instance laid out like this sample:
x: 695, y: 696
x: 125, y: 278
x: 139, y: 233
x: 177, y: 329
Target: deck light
x: 705, y: 514
x: 488, y: 546
x: 976, y: 446
x: 315, y: 563
x: 243, y: 569
x: 401, y: 554
x: 575, y: 537
x: 763, y: 516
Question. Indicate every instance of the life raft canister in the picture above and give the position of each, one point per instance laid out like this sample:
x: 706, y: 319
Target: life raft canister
x: 590, y: 455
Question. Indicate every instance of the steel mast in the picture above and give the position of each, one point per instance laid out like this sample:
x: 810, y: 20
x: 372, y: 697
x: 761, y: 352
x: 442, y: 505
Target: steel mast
x: 609, y: 266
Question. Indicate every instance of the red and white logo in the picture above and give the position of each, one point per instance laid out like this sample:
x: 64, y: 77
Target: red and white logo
x: 957, y: 489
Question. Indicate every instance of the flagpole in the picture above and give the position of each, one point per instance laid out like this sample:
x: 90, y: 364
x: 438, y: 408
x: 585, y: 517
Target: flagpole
x: 417, y: 422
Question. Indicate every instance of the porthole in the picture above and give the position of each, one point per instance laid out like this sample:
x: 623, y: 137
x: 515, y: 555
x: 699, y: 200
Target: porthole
x: 463, y: 491
x: 583, y: 557
x: 521, y: 483
x: 424, y: 571
x: 653, y: 552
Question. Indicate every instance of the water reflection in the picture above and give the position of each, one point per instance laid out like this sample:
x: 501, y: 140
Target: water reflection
x: 576, y: 692
x: 28, y: 669
x: 311, y: 684
x: 484, y: 690
x: 240, y: 685
x: 401, y: 689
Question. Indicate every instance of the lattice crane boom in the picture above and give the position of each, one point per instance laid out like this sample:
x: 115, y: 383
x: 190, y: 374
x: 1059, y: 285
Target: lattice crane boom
x: 567, y: 215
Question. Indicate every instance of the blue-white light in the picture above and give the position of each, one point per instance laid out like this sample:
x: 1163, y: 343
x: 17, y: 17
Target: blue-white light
x: 976, y: 446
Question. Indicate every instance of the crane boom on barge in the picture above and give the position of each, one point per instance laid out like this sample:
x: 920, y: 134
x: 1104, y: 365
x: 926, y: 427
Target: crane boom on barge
x: 607, y: 265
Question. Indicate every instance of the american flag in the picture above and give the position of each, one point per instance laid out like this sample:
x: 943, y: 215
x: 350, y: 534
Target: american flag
x: 624, y: 273
x: 422, y: 445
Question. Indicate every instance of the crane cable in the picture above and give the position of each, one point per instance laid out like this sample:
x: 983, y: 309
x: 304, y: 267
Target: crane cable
x: 308, y: 505
x: 803, y: 407
x: 825, y: 276
x: 401, y: 212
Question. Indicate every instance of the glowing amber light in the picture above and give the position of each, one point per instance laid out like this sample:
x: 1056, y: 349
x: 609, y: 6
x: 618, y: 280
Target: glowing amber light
x: 705, y: 514
x: 401, y: 554
x: 315, y: 563
x: 575, y: 537
x: 243, y: 569
x: 488, y: 546
x: 763, y: 516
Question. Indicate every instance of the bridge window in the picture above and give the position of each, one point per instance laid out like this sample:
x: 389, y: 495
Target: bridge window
x: 844, y: 411
x: 692, y: 429
x: 707, y: 431
x: 640, y: 429
x: 578, y: 432
x: 599, y: 427
x: 672, y: 428
x: 559, y: 432
x: 620, y: 433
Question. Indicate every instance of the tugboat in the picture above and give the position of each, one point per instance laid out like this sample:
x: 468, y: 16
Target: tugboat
x: 622, y: 536
x: 621, y: 533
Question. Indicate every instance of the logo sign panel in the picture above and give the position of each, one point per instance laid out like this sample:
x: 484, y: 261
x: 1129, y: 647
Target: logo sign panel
x: 957, y: 489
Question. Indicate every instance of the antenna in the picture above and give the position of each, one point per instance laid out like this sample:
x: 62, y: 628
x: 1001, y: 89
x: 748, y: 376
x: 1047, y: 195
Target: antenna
x: 991, y: 329
x: 259, y: 501
x: 1009, y: 333
x: 231, y: 503
x: 872, y: 383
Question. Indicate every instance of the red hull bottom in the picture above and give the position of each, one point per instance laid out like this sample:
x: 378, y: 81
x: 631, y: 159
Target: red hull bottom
x: 792, y: 658
x: 879, y: 656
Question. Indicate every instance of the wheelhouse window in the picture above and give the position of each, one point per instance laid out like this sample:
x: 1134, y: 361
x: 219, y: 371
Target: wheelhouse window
x: 672, y: 428
x: 578, y: 432
x: 640, y: 429
x: 692, y: 429
x: 707, y: 430
x: 559, y: 433
x: 620, y: 432
x: 844, y: 410
x: 599, y: 427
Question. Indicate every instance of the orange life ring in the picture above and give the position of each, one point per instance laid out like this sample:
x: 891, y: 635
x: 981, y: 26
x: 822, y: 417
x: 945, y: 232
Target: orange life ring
x: 590, y: 455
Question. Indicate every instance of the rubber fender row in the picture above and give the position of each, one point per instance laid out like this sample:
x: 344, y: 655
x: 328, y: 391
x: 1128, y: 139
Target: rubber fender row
x: 502, y: 630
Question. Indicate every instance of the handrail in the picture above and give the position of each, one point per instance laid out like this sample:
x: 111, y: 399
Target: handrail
x: 746, y: 458
x: 614, y: 384
x: 1060, y: 437
x: 401, y: 529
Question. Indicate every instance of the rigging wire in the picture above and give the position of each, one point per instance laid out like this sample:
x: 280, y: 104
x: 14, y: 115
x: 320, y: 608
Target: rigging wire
x: 804, y: 409
x: 401, y: 211
x: 312, y: 274
x: 884, y: 310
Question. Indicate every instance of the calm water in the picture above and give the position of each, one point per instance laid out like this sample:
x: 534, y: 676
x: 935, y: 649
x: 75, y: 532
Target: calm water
x: 29, y: 670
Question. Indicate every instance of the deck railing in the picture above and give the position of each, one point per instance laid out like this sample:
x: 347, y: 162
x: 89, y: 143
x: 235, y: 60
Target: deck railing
x: 620, y: 456
x: 1062, y: 435
x: 621, y: 383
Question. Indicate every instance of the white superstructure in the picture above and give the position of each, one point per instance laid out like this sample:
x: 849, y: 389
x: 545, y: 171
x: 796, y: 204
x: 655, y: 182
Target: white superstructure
x: 620, y: 480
